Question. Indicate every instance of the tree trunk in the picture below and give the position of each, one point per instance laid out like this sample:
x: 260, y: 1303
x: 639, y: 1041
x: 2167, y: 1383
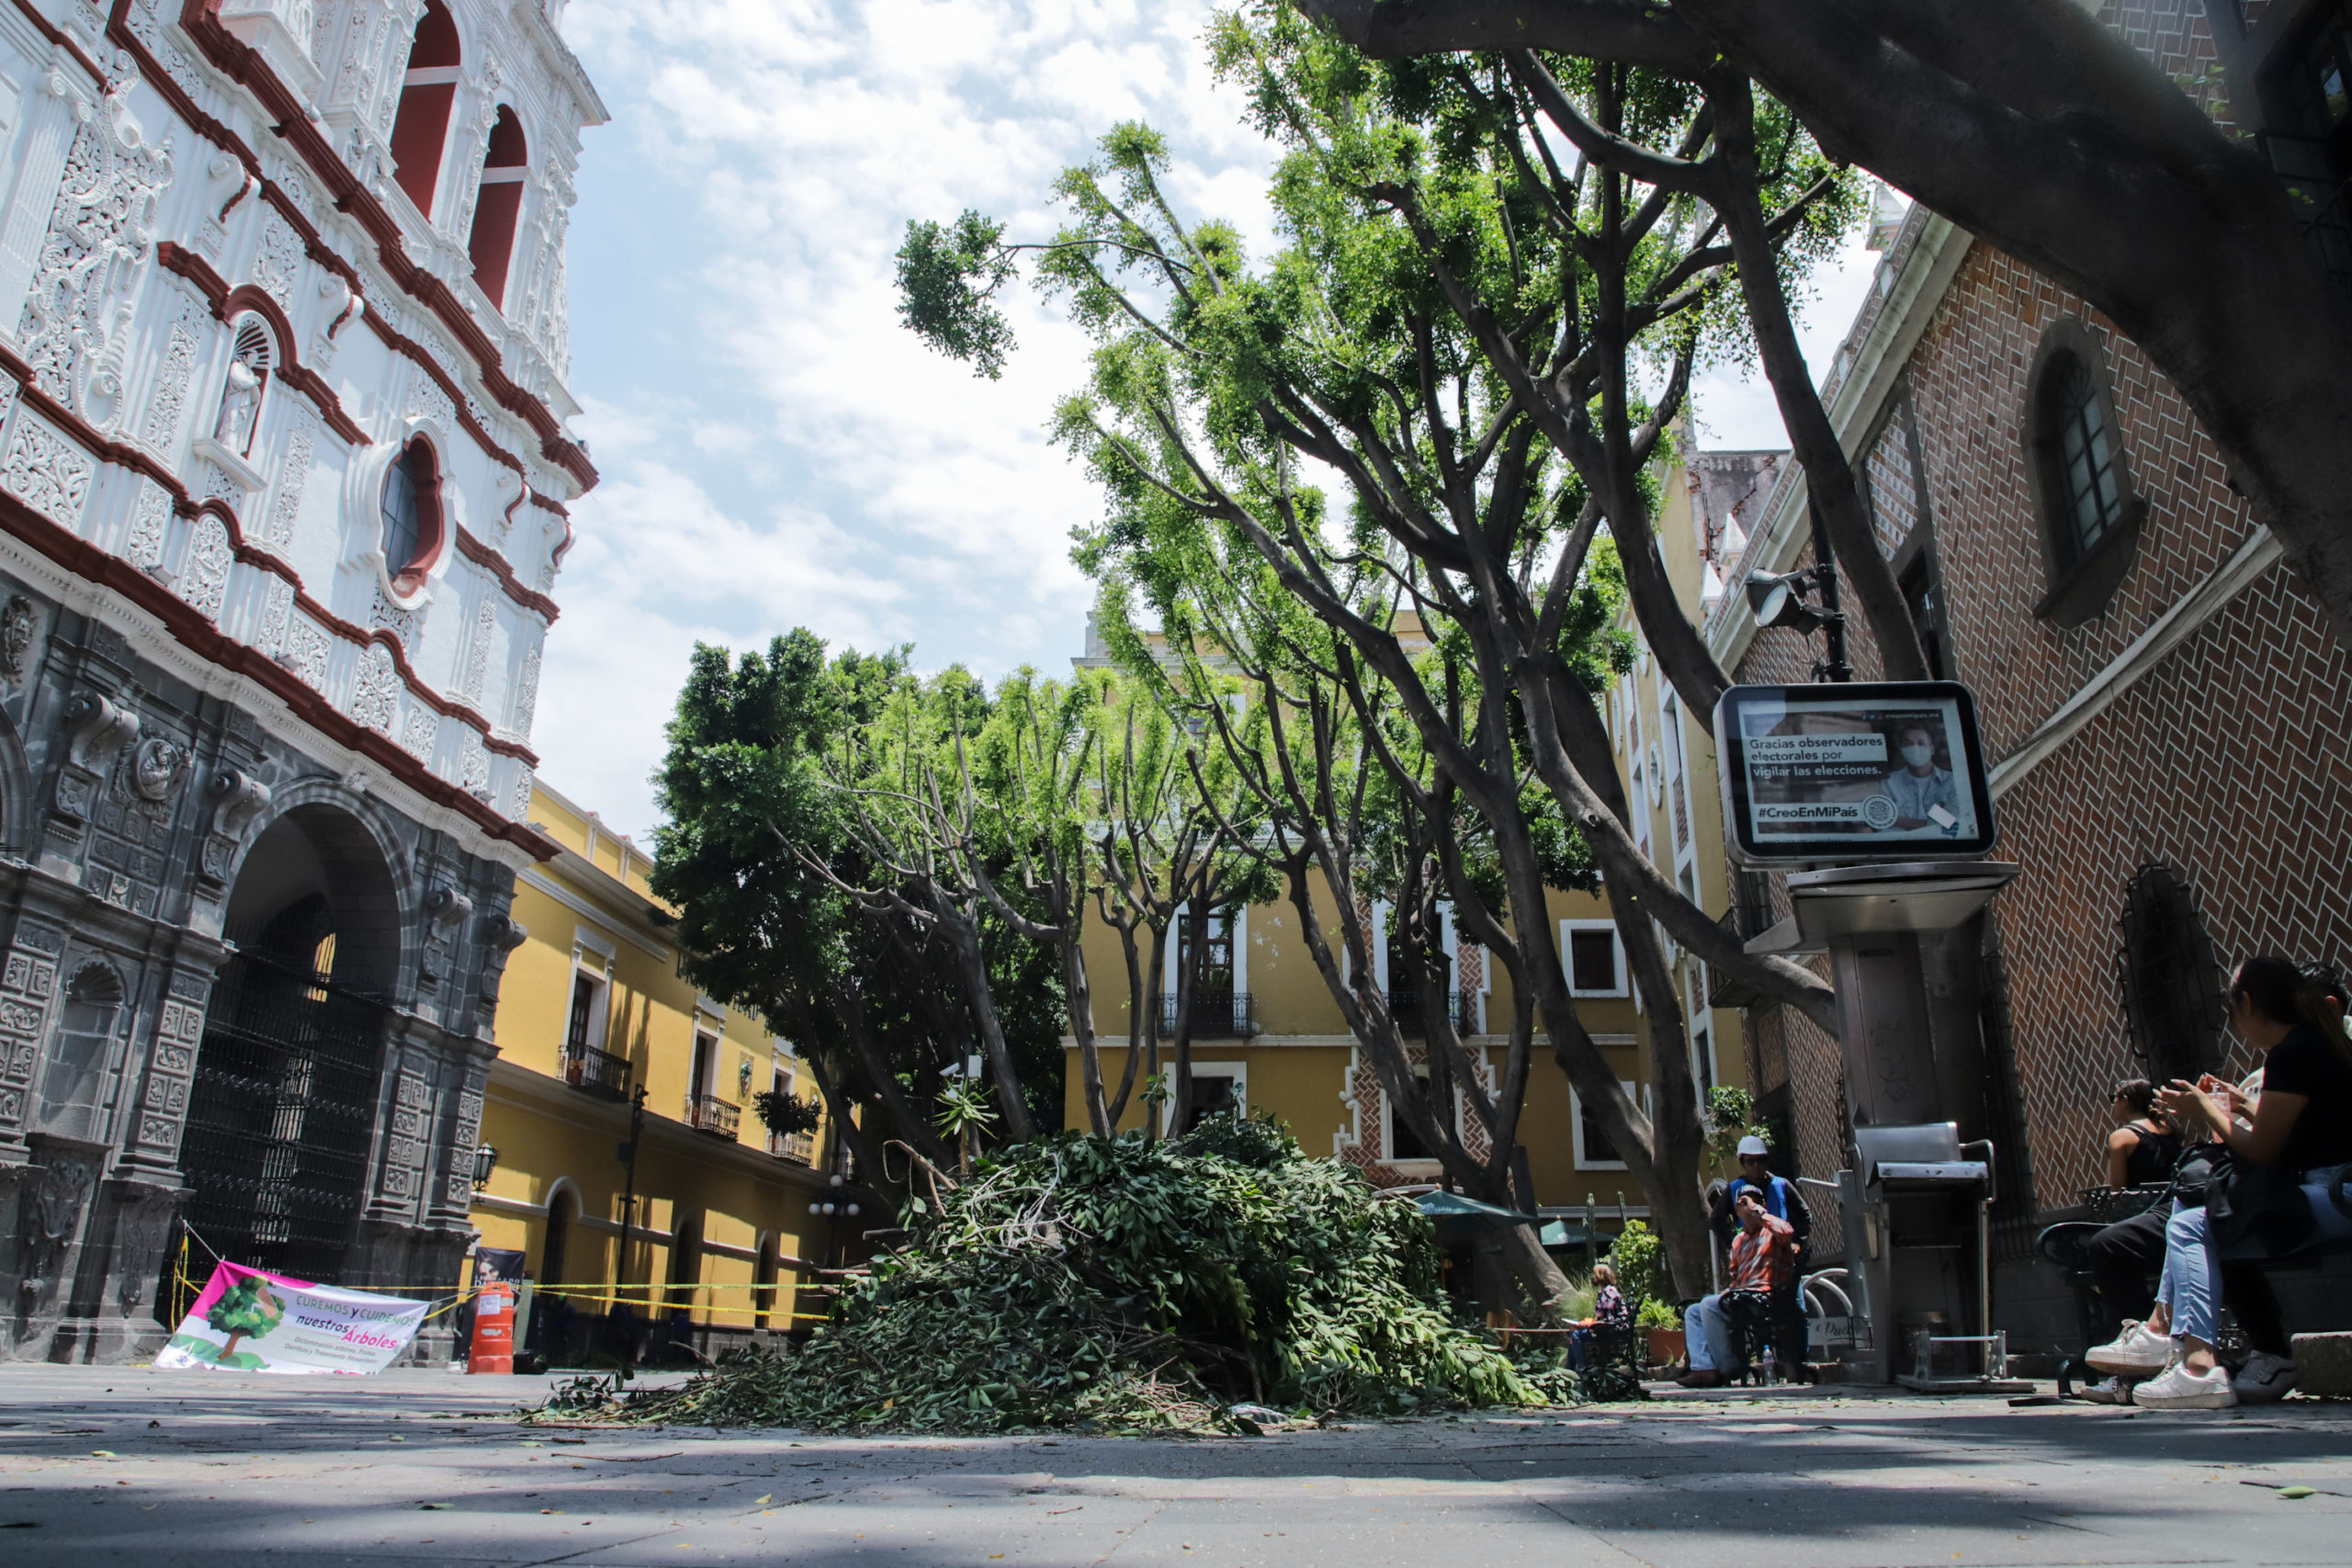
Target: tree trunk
x: 2035, y: 127
x: 1079, y: 995
x: 964, y: 938
x: 1829, y: 477
x: 1538, y: 1282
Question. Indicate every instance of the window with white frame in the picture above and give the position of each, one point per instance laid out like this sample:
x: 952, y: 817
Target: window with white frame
x: 1593, y: 1150
x: 1402, y: 1144
x: 1594, y: 958
x: 1701, y: 1024
x: 1219, y: 1089
x: 591, y: 999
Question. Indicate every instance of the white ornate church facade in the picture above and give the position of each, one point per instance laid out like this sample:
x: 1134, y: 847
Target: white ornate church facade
x: 283, y: 485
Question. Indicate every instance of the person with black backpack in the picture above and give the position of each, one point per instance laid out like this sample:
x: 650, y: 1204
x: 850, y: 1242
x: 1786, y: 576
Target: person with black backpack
x: 2281, y: 1174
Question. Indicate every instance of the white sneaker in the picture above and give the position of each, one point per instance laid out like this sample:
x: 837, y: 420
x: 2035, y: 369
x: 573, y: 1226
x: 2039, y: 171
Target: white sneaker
x: 2178, y: 1388
x: 2265, y: 1377
x: 2111, y: 1391
x: 2138, y: 1352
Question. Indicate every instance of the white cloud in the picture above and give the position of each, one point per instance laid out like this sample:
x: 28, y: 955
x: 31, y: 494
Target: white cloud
x: 776, y: 450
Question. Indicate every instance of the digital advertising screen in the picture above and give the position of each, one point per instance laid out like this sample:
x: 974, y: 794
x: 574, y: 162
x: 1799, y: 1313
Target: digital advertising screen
x: 1831, y: 774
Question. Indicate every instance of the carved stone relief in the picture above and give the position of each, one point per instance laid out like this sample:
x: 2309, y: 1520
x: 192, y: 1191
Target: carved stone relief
x: 306, y: 649
x: 474, y: 766
x: 20, y: 623
x: 151, y: 521
x: 375, y: 695
x: 279, y: 263
x: 485, y: 632
x: 419, y: 731
x: 76, y: 319
x: 204, y: 578
x: 293, y: 476
x: 47, y: 471
x: 169, y: 399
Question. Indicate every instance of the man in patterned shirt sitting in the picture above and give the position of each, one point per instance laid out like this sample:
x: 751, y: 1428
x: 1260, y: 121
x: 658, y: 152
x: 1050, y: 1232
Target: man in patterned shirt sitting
x: 1761, y: 1256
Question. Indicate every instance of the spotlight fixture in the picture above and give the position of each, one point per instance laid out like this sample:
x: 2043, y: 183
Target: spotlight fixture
x: 1778, y: 600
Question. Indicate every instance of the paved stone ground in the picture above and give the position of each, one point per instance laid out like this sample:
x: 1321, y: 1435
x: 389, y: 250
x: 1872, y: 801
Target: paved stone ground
x: 102, y: 1465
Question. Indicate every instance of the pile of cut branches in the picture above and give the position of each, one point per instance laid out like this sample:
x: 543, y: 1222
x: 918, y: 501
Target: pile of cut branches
x: 1120, y: 1284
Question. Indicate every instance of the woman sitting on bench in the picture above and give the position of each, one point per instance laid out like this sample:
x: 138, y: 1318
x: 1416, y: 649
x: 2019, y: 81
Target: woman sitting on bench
x: 2302, y: 1124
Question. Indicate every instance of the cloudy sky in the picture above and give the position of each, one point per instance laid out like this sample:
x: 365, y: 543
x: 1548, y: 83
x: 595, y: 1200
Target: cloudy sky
x: 776, y: 450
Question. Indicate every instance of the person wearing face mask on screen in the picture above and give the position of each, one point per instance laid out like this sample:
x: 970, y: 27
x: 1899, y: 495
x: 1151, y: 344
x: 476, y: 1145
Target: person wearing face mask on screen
x: 1924, y: 796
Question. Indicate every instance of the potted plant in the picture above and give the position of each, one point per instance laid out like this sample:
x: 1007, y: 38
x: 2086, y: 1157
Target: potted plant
x: 1661, y: 1329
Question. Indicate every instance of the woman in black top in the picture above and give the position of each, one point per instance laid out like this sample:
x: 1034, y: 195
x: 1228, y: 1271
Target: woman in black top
x: 2302, y: 1120
x: 2140, y: 1151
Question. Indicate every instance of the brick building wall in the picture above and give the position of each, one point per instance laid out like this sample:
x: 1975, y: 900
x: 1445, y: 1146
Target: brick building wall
x: 2225, y: 761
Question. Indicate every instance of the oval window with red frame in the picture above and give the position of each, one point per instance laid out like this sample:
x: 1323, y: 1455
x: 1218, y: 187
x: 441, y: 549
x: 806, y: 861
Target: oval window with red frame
x: 412, y: 515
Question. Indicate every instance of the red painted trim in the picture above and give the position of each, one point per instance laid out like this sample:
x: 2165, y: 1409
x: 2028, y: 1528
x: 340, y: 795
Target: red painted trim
x: 244, y: 66
x: 62, y: 40
x: 209, y: 642
x: 230, y: 303
x: 131, y: 458
x: 490, y: 560
x: 227, y: 303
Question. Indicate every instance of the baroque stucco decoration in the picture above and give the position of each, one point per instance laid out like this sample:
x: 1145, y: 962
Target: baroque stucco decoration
x: 76, y: 326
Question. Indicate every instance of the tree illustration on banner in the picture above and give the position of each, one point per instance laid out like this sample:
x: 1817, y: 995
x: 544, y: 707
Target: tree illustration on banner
x: 245, y: 1311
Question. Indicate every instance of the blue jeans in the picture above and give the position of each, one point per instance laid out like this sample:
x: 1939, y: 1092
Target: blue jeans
x: 2190, y: 1288
x: 1705, y: 1335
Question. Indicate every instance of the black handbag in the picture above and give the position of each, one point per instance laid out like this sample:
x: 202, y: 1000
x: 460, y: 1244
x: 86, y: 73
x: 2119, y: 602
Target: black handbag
x: 2192, y: 1173
x: 2261, y: 1203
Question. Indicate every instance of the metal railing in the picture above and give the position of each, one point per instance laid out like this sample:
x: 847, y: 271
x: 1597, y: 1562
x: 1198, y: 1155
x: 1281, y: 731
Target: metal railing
x: 801, y: 1148
x: 599, y: 1073
x: 708, y: 1113
x: 1749, y: 915
x: 2316, y: 191
x: 1406, y: 1007
x: 1216, y: 1014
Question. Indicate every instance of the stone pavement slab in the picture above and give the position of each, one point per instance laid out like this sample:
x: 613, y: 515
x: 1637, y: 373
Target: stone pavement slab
x: 165, y: 1469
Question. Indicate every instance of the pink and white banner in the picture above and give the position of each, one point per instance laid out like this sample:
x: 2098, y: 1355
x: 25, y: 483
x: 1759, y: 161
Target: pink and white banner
x: 247, y: 1320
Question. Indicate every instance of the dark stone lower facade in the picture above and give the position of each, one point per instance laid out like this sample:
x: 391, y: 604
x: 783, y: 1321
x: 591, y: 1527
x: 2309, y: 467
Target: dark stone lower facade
x: 236, y: 982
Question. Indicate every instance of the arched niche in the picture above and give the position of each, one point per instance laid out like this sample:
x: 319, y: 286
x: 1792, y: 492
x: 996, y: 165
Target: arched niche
x: 428, y: 90
x: 499, y: 208
x: 282, y: 1113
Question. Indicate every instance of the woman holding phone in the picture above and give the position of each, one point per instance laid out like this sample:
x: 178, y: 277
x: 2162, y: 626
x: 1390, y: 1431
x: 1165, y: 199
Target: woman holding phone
x: 2302, y: 1123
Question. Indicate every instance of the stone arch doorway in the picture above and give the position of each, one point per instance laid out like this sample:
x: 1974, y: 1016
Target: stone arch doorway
x: 282, y: 1115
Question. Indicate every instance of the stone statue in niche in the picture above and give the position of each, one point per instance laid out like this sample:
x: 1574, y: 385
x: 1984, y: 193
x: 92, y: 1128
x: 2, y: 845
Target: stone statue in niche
x: 19, y: 622
x: 158, y: 768
x: 240, y: 400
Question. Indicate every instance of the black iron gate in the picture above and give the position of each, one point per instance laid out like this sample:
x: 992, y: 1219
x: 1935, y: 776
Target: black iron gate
x: 282, y: 1117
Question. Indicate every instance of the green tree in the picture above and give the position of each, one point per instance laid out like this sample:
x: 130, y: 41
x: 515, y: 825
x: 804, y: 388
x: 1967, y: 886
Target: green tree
x: 1459, y: 327
x: 2038, y: 128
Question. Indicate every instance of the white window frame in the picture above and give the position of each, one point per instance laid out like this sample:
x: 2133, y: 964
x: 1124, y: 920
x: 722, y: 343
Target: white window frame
x: 1238, y: 1071
x: 1641, y: 1096
x: 1389, y: 1134
x: 591, y: 956
x: 1616, y: 946
x: 1698, y: 1015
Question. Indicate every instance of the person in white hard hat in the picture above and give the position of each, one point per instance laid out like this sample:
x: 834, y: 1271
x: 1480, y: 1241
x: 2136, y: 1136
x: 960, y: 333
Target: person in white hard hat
x: 1778, y: 1195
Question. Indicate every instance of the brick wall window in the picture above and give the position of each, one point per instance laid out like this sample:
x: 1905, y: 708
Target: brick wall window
x: 2081, y: 480
x: 2172, y: 986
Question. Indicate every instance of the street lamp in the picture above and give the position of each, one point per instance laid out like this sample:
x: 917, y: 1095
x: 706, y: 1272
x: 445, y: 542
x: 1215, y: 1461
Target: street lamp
x: 1778, y: 599
x: 485, y: 1161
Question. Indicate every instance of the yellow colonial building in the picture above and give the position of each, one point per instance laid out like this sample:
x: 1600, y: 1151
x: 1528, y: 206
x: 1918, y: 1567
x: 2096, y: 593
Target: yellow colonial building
x: 596, y: 1028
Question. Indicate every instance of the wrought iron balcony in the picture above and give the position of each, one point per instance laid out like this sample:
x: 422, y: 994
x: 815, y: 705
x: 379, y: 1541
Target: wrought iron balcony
x: 708, y: 1113
x: 1749, y: 915
x: 1406, y: 1007
x: 2316, y: 190
x: 1217, y: 1015
x: 799, y: 1149
x: 599, y: 1073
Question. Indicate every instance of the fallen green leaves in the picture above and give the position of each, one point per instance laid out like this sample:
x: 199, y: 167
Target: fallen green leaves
x: 1121, y: 1284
